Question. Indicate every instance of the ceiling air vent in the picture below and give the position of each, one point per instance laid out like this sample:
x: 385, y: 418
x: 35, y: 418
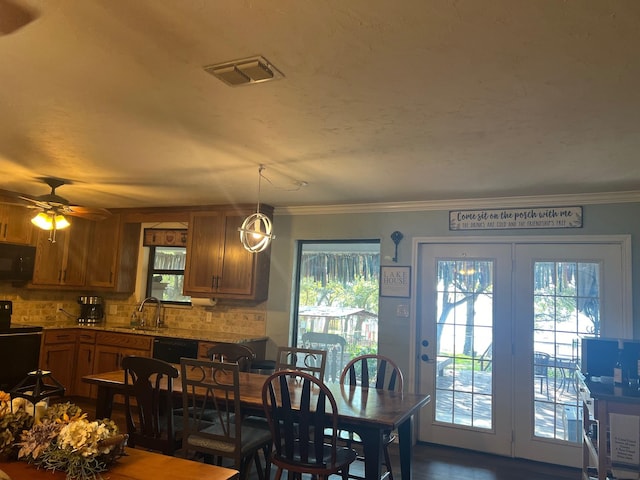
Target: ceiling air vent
x: 245, y: 71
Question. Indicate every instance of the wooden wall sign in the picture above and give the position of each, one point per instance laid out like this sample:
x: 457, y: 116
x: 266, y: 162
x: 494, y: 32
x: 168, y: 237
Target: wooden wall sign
x: 509, y: 218
x: 162, y: 237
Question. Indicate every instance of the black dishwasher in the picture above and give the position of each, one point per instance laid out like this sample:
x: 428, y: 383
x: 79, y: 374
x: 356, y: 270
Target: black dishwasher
x: 172, y: 349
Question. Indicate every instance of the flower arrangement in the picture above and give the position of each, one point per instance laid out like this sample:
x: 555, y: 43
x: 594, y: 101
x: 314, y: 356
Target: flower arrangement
x: 63, y: 439
x: 13, y: 420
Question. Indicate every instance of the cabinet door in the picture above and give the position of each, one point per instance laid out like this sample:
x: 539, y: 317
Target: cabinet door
x: 203, y: 253
x: 75, y: 263
x: 15, y: 224
x: 237, y: 267
x: 62, y: 262
x: 84, y: 366
x: 59, y: 359
x: 109, y: 358
x: 49, y: 258
x: 217, y: 263
x: 103, y: 252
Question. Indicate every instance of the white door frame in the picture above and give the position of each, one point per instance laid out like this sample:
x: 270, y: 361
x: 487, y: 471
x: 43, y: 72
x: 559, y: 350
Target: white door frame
x: 624, y: 325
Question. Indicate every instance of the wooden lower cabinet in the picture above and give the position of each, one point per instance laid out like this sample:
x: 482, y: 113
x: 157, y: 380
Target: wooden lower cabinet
x: 58, y: 355
x: 71, y: 353
x: 111, y: 348
x: 84, y: 363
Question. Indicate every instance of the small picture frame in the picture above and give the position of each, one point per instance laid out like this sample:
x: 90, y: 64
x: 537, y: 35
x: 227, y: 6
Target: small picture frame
x: 395, y: 281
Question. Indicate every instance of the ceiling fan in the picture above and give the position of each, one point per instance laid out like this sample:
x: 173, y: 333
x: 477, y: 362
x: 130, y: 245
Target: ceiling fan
x: 53, y: 209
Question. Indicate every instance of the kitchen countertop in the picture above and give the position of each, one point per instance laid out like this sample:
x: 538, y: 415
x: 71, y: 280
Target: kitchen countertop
x: 169, y: 332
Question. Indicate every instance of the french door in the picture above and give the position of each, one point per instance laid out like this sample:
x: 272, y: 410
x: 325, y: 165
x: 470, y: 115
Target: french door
x: 499, y: 333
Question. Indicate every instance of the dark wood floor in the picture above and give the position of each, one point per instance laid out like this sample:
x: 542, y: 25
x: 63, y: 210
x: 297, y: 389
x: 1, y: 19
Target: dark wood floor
x: 434, y: 462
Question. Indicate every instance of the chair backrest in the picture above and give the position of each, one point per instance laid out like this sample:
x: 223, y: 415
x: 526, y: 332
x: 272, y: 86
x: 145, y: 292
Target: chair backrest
x: 298, y: 429
x: 210, y: 404
x: 150, y: 423
x: 303, y: 359
x: 541, y: 362
x: 232, y: 353
x: 334, y: 344
x: 373, y: 371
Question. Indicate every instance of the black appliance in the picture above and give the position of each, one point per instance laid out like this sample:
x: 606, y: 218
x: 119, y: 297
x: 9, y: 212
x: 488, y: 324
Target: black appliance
x: 91, y: 309
x: 172, y: 349
x: 16, y: 262
x: 19, y: 348
x: 599, y: 356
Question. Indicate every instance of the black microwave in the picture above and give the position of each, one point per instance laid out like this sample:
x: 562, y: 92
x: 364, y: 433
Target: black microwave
x: 16, y: 262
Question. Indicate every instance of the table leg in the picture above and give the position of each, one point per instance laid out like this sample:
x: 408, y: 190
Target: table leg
x: 104, y: 402
x: 372, y: 444
x: 405, y: 436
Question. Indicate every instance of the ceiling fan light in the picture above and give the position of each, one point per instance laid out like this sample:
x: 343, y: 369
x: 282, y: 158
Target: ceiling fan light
x: 61, y: 222
x: 50, y: 221
x: 43, y: 221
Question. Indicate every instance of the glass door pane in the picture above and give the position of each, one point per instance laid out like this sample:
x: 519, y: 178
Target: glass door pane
x: 465, y: 345
x: 566, y: 303
x: 338, y: 284
x: 464, y: 338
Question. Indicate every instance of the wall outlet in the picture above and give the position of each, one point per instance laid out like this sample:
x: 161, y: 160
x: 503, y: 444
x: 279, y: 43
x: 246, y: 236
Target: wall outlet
x: 58, y: 307
x: 113, y: 309
x: 207, y: 317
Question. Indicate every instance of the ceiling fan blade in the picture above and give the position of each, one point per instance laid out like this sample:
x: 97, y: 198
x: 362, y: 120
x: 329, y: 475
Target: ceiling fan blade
x: 36, y: 202
x: 13, y: 17
x: 87, y: 212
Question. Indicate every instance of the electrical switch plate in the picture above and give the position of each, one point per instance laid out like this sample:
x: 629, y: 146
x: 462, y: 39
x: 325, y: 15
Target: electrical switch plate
x: 402, y: 311
x: 113, y: 309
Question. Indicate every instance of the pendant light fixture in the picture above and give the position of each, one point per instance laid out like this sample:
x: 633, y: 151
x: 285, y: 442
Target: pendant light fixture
x: 256, y: 230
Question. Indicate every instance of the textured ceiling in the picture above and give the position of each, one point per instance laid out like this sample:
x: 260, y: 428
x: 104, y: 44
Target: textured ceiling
x: 381, y: 102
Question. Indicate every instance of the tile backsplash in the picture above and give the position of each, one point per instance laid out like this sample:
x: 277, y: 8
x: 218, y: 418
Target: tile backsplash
x: 47, y: 307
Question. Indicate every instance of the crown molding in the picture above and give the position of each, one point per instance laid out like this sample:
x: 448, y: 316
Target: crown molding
x: 465, y: 203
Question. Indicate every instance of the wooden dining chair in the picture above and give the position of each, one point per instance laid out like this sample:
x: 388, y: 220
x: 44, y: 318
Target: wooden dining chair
x: 307, y: 360
x: 379, y: 372
x: 211, y: 385
x: 299, y: 443
x: 148, y: 404
x: 232, y: 353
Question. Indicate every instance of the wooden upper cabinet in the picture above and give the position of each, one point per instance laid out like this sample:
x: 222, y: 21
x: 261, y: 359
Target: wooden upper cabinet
x: 15, y: 224
x: 113, y: 254
x: 103, y: 252
x: 62, y: 262
x: 217, y: 263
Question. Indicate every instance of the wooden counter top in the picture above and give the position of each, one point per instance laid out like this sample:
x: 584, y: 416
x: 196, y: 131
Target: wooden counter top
x: 164, y: 332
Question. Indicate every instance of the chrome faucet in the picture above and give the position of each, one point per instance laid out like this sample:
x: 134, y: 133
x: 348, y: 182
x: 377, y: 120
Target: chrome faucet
x: 159, y: 320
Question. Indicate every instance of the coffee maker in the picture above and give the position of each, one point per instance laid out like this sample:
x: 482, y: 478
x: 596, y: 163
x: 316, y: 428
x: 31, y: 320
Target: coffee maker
x: 91, y: 309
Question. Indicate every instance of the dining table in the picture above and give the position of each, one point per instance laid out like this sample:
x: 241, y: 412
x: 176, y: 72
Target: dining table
x: 366, y: 411
x: 135, y: 464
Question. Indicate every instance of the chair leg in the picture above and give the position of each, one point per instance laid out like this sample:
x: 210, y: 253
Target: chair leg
x: 387, y: 461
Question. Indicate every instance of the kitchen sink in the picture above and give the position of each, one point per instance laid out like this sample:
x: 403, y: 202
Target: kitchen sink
x: 138, y: 329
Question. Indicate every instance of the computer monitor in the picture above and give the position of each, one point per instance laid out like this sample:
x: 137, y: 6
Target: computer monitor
x: 599, y: 356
